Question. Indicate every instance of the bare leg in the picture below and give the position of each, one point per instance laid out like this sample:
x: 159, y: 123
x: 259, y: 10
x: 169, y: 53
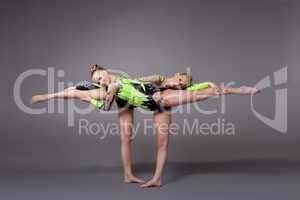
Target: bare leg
x: 162, y: 122
x: 126, y: 124
x: 70, y: 93
x: 172, y: 98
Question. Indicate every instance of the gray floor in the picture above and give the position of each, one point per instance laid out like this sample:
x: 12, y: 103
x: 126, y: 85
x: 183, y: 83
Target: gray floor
x: 211, y: 180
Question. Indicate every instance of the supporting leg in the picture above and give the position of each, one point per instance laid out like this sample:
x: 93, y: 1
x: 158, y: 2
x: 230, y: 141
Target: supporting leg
x: 162, y: 122
x: 126, y: 124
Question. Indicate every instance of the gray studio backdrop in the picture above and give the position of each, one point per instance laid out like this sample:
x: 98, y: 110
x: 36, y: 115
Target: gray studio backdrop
x: 222, y: 41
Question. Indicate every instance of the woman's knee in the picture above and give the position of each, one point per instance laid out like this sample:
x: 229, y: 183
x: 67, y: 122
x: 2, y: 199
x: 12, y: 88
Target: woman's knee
x: 83, y: 96
x: 126, y: 138
x: 72, y: 92
x: 162, y: 143
x: 98, y: 94
x: 162, y: 100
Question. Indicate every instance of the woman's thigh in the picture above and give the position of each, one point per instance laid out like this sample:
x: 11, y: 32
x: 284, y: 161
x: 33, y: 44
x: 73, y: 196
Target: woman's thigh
x: 94, y: 94
x: 171, y: 98
x: 162, y: 121
x: 126, y: 122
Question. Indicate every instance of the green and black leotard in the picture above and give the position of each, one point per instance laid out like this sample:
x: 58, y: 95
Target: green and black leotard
x: 87, y: 85
x: 135, y: 93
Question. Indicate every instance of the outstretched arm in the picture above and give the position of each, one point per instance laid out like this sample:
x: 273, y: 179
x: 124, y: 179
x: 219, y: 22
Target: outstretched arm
x: 155, y: 79
x: 204, y: 85
x: 159, y: 79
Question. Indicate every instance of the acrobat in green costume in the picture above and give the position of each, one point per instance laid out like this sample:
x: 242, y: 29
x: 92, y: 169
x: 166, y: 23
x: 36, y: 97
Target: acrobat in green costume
x: 134, y: 92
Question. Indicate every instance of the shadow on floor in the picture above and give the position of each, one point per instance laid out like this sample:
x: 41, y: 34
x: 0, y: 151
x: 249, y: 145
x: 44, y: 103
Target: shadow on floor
x: 180, y: 170
x: 176, y: 171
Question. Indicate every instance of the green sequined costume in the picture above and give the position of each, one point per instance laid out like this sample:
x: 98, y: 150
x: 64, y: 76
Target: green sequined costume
x: 135, y: 93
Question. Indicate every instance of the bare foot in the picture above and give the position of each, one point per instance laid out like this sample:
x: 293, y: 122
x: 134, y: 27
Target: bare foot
x: 248, y: 90
x: 38, y: 98
x: 152, y: 183
x: 133, y: 179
